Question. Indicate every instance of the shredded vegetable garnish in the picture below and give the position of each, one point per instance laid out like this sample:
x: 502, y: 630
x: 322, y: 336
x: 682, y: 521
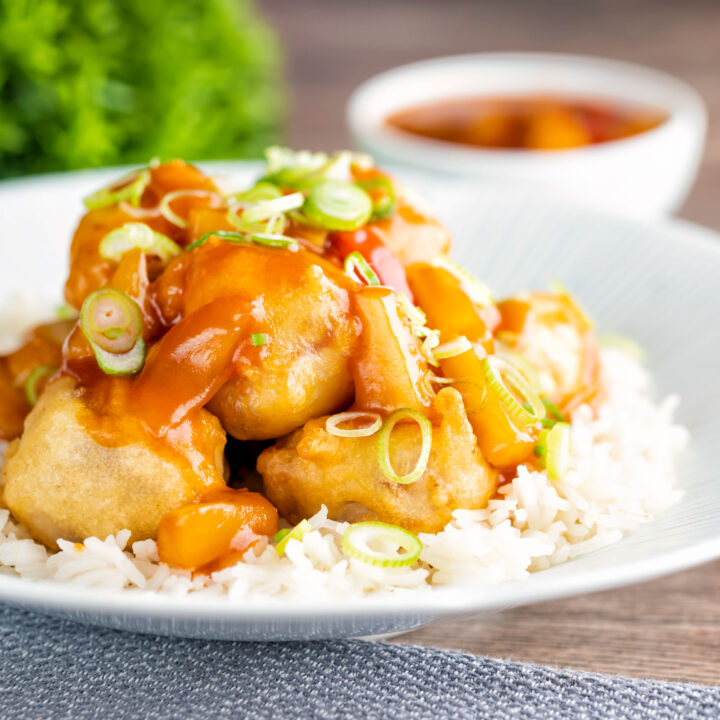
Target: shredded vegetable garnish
x: 381, y: 544
x: 275, y: 241
x: 372, y: 425
x: 553, y: 413
x: 36, y: 376
x: 129, y: 189
x: 112, y: 324
x: 414, y: 314
x: 513, y: 390
x: 265, y: 209
x: 521, y: 364
x: 172, y: 217
x: 431, y: 341
x: 554, y: 447
x: 383, y: 196
x: 258, y: 339
x: 357, y: 267
x: 338, y: 205
x: 383, y: 445
x: 458, y: 346
x: 137, y: 235
x: 227, y: 235
x: 283, y: 537
x: 478, y: 292
x: 260, y: 191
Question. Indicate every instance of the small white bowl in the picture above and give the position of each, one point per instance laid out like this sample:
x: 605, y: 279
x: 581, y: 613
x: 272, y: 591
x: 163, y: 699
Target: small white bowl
x: 647, y: 175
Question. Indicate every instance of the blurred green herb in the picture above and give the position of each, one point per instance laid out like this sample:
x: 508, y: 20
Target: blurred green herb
x: 98, y: 82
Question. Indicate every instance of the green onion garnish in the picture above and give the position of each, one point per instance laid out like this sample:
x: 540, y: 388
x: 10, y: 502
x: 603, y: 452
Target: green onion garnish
x: 112, y: 324
x: 129, y: 189
x: 227, y: 235
x: 36, y: 376
x: 554, y: 446
x: 553, y: 410
x: 332, y: 424
x: 265, y: 209
x: 137, y: 235
x: 513, y: 390
x: 356, y: 266
x: 121, y: 364
x: 261, y: 191
x: 338, y: 205
x: 383, y: 445
x: 521, y: 364
x: 171, y: 216
x: 275, y: 241
x: 283, y: 537
x: 258, y: 339
x: 458, y: 346
x: 384, y: 206
x: 359, y: 539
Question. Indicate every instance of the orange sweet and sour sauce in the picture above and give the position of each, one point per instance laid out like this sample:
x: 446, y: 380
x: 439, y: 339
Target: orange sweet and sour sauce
x: 527, y: 122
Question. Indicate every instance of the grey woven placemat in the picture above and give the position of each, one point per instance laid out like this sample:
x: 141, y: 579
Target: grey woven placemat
x: 52, y: 669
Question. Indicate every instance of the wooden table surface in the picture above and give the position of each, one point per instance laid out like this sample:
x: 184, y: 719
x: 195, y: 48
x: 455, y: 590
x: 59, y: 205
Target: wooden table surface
x: 665, y: 629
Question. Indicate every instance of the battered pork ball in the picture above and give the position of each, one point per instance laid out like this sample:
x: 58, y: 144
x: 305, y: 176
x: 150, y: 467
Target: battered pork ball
x: 301, y: 306
x: 311, y: 468
x: 61, y: 483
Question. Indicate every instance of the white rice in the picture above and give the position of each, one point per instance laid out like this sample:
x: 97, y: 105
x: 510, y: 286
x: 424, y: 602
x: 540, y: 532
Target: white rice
x: 622, y: 475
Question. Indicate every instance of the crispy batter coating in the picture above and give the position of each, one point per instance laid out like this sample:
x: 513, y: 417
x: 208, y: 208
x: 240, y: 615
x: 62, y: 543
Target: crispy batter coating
x: 304, y: 369
x: 61, y: 483
x: 311, y: 468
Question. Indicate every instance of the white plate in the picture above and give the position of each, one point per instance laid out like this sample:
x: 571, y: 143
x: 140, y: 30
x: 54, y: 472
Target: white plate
x: 657, y: 283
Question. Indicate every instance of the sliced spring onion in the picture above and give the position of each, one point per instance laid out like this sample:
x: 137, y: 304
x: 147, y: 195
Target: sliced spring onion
x: 416, y: 316
x: 553, y: 413
x: 227, y: 235
x: 332, y: 424
x: 265, y: 209
x: 261, y: 191
x: 478, y: 292
x: 110, y: 320
x: 359, y: 539
x: 258, y: 339
x: 356, y: 266
x: 458, y: 346
x: 137, y: 235
x: 431, y: 341
x: 287, y: 167
x: 522, y: 364
x: 36, y: 376
x: 383, y: 445
x: 556, y: 447
x: 384, y: 205
x: 283, y: 537
x: 171, y: 216
x: 275, y: 241
x: 338, y: 205
x: 624, y: 344
x: 139, y: 213
x: 129, y: 189
x: 276, y: 224
x: 513, y: 390
x: 120, y: 364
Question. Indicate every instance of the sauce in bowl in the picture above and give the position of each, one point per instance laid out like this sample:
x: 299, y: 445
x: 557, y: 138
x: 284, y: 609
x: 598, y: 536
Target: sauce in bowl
x: 527, y: 122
